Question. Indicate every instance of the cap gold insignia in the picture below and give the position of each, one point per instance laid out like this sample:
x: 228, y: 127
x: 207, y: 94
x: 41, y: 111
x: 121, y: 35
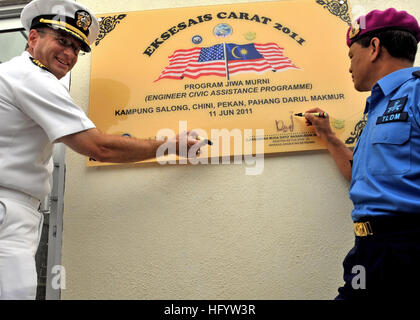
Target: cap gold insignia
x: 355, y: 29
x: 83, y: 20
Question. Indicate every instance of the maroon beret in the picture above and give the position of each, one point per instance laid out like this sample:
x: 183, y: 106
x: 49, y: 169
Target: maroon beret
x: 390, y: 19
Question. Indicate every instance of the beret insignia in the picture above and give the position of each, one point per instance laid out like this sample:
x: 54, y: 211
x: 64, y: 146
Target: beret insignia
x: 355, y: 30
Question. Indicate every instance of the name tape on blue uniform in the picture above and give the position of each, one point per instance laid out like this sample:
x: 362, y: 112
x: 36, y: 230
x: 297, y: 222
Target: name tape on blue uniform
x: 403, y: 116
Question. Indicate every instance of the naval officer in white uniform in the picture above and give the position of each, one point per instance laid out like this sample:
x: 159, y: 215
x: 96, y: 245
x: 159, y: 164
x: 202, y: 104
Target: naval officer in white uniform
x: 36, y: 111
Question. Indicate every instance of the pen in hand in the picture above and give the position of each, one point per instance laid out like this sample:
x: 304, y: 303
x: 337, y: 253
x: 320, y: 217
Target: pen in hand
x: 316, y: 114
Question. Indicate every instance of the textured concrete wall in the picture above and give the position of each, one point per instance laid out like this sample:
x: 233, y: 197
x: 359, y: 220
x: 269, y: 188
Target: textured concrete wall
x: 205, y: 232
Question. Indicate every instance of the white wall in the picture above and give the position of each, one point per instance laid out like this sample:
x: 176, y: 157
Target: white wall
x: 205, y: 232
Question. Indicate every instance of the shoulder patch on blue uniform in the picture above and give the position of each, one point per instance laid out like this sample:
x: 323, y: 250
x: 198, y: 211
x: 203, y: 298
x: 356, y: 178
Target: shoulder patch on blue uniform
x: 396, y: 106
x: 402, y: 116
x: 416, y: 74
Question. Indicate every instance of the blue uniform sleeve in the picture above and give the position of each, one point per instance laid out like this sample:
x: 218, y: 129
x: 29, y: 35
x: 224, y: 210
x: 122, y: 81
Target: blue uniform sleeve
x: 415, y: 104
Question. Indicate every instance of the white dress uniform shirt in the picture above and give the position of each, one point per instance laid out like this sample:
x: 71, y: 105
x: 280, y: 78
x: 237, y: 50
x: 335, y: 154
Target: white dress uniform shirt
x: 35, y: 110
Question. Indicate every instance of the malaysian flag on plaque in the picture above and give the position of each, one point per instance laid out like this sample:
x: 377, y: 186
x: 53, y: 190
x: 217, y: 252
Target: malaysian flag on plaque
x: 225, y: 60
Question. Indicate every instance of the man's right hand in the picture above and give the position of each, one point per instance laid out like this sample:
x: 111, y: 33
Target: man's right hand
x: 321, y: 125
x: 338, y: 150
x: 186, y: 144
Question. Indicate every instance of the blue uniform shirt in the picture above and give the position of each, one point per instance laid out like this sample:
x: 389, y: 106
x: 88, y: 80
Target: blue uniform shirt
x: 386, y: 158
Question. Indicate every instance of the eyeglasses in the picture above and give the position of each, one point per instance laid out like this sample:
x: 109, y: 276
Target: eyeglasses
x: 65, y: 43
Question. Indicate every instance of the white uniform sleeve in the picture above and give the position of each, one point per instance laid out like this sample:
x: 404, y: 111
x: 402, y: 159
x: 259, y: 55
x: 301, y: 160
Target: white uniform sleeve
x: 43, y: 98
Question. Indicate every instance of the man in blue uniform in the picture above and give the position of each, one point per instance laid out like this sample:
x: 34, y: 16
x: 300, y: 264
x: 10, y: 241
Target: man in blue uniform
x: 384, y: 168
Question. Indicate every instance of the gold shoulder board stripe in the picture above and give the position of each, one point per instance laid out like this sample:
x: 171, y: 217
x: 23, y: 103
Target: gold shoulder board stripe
x: 39, y: 64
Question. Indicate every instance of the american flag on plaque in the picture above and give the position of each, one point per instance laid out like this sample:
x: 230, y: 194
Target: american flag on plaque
x: 225, y: 60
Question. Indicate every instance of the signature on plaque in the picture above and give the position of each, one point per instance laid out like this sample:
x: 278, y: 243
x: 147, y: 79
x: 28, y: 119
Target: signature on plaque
x: 285, y: 125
